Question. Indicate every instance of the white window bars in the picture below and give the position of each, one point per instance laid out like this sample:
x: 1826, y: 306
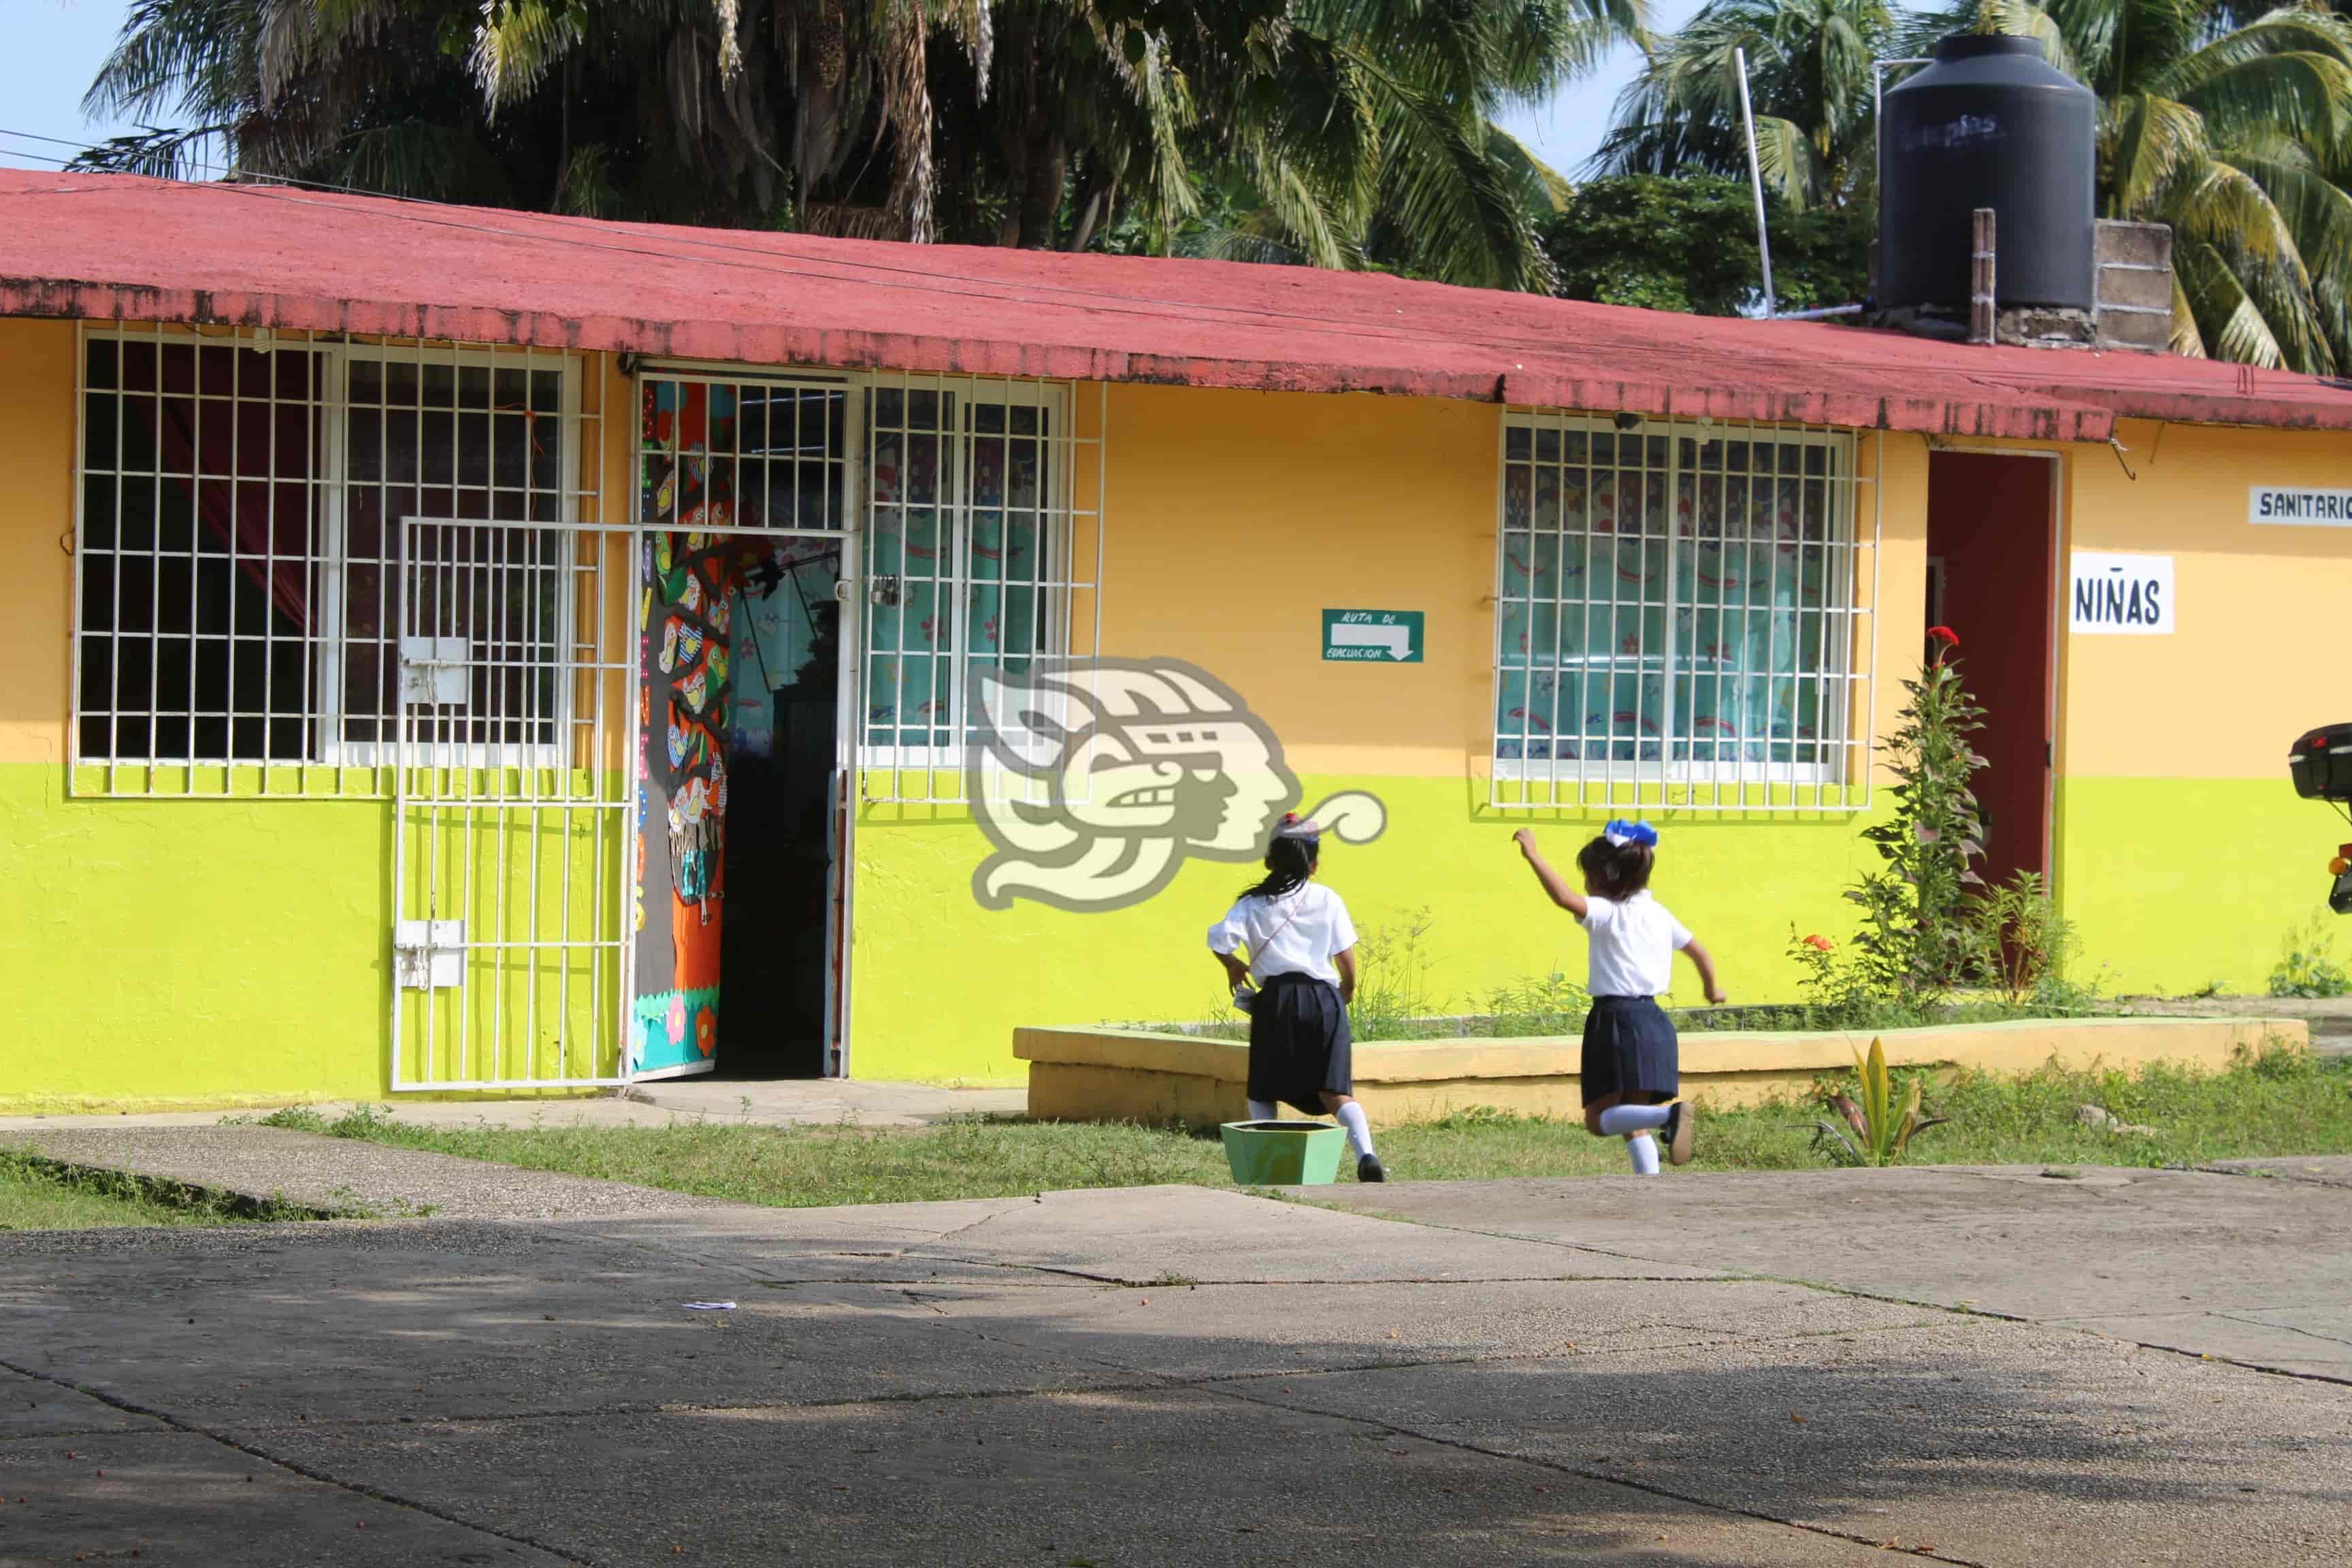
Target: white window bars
x: 239, y: 564
x: 984, y: 529
x: 981, y: 503
x: 1684, y: 616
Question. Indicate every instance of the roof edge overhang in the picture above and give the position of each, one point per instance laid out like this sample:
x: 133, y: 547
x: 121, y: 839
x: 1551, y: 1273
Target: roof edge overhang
x: 2000, y: 414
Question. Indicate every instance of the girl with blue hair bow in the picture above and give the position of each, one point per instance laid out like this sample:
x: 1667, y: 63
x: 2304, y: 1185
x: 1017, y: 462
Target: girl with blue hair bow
x: 1630, y: 1070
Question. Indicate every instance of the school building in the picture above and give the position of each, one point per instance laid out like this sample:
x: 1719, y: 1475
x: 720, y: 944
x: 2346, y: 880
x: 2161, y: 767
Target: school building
x: 453, y: 650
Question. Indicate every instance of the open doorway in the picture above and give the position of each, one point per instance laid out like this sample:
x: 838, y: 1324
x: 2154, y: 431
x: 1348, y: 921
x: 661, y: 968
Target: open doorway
x: 1992, y: 579
x: 741, y: 879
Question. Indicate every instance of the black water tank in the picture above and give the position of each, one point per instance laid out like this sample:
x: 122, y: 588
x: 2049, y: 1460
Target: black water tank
x: 1988, y: 124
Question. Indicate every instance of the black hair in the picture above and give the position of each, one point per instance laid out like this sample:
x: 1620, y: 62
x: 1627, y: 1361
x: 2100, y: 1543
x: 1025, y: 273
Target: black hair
x: 1615, y: 872
x: 1289, y: 863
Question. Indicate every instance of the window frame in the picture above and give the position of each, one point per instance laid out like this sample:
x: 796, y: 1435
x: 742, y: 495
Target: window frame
x: 330, y: 764
x: 1842, y: 667
x: 1057, y: 511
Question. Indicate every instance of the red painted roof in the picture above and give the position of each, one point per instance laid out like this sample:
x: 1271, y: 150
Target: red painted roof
x: 110, y: 247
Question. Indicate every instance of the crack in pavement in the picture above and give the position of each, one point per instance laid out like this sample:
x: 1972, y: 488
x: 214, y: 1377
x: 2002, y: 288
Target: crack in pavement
x: 1953, y: 1309
x: 357, y: 1489
x: 1600, y: 1477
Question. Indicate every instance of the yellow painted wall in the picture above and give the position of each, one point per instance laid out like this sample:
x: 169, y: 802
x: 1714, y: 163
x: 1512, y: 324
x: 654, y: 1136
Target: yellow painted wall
x: 228, y: 949
x: 1234, y: 519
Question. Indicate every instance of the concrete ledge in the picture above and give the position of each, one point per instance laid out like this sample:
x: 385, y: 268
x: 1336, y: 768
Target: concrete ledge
x: 1134, y: 1075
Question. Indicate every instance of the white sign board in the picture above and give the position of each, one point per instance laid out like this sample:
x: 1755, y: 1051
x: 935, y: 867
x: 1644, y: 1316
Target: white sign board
x: 2122, y: 595
x: 2299, y: 507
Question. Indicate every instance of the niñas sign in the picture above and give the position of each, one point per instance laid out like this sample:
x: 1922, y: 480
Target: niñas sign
x: 2310, y: 509
x: 2123, y: 595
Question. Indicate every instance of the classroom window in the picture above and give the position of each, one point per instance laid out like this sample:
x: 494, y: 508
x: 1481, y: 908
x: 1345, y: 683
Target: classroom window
x: 1678, y: 610
x: 263, y: 527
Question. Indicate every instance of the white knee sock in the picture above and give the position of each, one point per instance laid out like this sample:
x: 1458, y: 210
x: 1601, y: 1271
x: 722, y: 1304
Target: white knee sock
x: 1644, y: 1150
x: 1619, y: 1120
x: 1265, y: 1110
x: 1360, y: 1131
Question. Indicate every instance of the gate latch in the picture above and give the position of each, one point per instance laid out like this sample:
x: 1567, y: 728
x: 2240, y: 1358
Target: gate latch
x: 433, y: 672
x: 883, y: 591
x: 429, y: 955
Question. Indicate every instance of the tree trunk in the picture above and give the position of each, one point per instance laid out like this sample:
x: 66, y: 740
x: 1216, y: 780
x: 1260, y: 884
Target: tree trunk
x: 1041, y: 196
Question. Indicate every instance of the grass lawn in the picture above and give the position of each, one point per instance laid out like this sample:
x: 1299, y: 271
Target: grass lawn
x: 2284, y: 1103
x: 37, y: 1197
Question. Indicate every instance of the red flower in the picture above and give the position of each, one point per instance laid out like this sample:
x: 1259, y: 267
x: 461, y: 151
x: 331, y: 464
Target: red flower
x: 706, y: 1031
x: 1823, y: 942
x: 1946, y: 635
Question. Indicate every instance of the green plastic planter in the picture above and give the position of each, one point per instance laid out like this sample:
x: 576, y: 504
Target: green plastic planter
x: 1284, y: 1153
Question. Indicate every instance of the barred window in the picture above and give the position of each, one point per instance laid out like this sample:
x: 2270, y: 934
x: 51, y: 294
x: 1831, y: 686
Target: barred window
x: 1678, y: 606
x: 970, y: 554
x: 258, y: 557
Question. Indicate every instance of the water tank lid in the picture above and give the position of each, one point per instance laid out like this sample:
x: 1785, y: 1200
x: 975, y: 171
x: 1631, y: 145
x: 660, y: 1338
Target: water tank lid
x: 1976, y: 46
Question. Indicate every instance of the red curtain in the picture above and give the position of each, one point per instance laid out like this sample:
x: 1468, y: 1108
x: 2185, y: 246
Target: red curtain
x: 242, y: 453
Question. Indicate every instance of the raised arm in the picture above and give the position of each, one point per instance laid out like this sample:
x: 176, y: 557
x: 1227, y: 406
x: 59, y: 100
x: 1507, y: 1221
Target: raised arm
x: 1555, y: 884
x: 1704, y: 963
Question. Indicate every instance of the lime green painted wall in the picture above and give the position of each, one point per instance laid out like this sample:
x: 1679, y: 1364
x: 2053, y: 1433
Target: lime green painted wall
x: 2173, y: 884
x: 941, y: 982
x: 221, y: 951
x: 157, y: 950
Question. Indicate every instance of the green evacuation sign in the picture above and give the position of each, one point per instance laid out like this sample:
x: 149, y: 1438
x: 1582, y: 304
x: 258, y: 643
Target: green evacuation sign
x: 1372, y: 637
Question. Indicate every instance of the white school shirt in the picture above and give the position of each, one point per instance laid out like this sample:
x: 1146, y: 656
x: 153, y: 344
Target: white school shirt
x: 1634, y: 945
x: 1297, y: 933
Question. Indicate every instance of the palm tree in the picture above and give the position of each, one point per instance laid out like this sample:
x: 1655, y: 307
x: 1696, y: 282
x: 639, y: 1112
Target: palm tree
x: 1808, y: 66
x: 1350, y: 132
x: 697, y: 110
x: 1341, y: 133
x: 2236, y: 130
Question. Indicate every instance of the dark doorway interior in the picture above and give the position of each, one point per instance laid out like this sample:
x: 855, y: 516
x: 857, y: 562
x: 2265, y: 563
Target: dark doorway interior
x: 1991, y: 532
x: 774, y: 952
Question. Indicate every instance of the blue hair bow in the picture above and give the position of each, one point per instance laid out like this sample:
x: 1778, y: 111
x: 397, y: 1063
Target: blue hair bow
x: 1620, y: 832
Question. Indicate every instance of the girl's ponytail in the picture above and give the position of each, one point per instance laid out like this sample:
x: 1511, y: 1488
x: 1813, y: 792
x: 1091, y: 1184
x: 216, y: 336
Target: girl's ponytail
x: 1615, y: 872
x: 1289, y: 863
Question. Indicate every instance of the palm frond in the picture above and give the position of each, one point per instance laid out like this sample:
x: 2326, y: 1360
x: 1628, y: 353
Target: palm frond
x: 2156, y: 145
x: 2225, y: 316
x: 2186, y: 341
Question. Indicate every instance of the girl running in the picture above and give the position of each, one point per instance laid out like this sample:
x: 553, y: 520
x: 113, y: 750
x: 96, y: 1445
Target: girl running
x: 1629, y: 1073
x: 1302, y: 955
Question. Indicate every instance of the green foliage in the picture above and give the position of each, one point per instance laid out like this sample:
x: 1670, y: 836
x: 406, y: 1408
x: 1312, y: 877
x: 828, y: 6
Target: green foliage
x: 1546, y: 1005
x: 1877, y: 1131
x: 1916, y: 934
x: 1809, y: 79
x: 1688, y: 243
x: 39, y: 1194
x: 2307, y: 967
x: 1341, y: 133
x: 2019, y: 947
x: 1392, y: 969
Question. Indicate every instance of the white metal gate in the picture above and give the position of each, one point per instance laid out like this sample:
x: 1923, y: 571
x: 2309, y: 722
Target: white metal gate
x: 511, y: 856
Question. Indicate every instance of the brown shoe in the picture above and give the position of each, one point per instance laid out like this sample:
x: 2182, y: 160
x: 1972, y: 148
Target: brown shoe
x: 1681, y: 1119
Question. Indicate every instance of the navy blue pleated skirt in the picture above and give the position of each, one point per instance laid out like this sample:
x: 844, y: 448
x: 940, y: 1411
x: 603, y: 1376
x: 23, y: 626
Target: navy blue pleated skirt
x: 1299, y: 1046
x: 1629, y: 1049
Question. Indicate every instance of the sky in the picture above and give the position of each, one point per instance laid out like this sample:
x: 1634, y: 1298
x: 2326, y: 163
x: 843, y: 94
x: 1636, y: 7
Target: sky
x: 53, y: 48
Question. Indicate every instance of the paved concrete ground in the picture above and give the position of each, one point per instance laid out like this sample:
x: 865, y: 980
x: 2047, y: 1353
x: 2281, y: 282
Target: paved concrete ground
x: 1574, y: 1372
x: 781, y: 1102
x: 2330, y: 1017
